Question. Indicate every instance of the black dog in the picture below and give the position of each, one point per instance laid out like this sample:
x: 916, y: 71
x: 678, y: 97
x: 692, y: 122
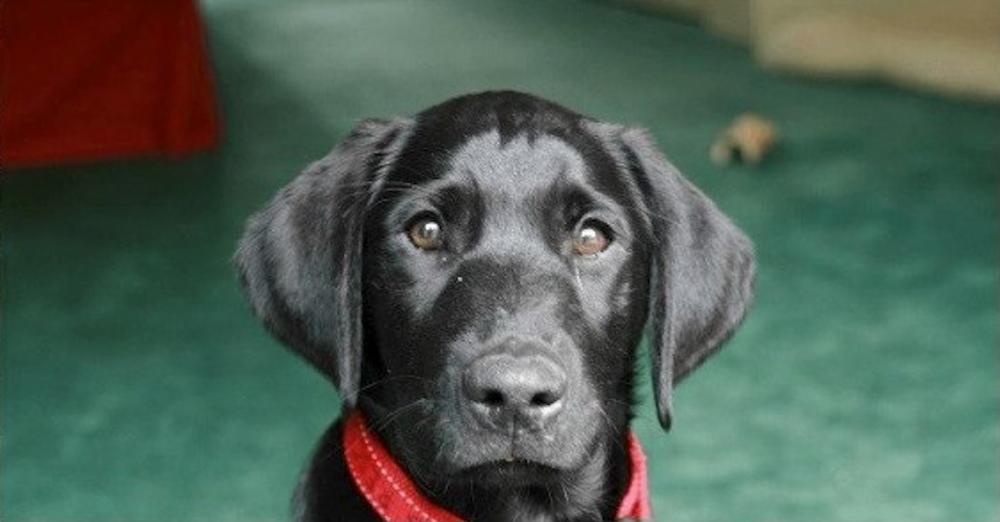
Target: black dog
x: 475, y: 281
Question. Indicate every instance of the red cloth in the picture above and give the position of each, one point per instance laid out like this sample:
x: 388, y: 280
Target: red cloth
x: 102, y: 78
x: 392, y: 494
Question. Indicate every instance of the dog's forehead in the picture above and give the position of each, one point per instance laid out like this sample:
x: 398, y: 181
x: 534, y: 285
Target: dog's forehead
x: 519, y: 165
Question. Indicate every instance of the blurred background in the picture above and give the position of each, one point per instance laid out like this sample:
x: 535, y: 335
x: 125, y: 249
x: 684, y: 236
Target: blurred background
x: 136, y: 138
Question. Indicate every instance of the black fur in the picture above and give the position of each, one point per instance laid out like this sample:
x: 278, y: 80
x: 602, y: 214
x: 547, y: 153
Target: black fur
x: 329, y: 268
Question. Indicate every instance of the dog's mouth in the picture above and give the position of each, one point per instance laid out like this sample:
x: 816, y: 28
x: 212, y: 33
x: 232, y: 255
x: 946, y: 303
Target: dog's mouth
x: 510, y: 471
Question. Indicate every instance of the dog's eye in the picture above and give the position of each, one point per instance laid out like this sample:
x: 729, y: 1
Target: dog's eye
x: 425, y: 233
x: 590, y: 239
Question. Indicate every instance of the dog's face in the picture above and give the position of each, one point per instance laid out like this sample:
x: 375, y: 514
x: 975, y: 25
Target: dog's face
x: 478, y: 279
x: 505, y: 288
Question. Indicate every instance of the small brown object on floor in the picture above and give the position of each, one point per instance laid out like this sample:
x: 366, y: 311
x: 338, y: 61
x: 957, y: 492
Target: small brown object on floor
x: 748, y: 139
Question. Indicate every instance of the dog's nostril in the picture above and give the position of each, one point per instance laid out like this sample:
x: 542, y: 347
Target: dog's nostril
x: 493, y: 398
x: 544, y: 398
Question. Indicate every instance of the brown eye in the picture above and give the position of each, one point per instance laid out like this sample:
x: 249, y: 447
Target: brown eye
x: 590, y: 239
x: 425, y: 234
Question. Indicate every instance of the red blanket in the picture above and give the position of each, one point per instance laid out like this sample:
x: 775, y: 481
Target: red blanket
x: 102, y: 78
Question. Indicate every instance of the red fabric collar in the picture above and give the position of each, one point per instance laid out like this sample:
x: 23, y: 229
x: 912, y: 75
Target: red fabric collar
x: 392, y: 494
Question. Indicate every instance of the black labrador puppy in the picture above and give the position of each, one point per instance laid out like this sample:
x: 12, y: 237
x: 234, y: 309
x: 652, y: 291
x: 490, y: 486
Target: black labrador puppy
x: 475, y: 281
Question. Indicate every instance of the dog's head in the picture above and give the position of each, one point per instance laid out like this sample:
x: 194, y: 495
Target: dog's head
x: 477, y: 279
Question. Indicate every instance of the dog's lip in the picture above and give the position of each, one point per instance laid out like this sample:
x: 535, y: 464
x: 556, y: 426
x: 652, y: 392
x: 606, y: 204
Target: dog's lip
x: 515, y: 462
x: 517, y: 469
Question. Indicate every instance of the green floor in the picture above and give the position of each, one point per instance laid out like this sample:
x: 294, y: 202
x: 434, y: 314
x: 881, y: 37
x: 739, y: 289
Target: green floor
x: 136, y: 386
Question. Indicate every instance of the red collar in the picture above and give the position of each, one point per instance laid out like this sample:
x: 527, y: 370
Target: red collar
x: 395, y: 498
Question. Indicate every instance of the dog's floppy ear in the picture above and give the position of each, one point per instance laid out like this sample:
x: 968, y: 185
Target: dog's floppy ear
x: 703, y: 270
x: 702, y: 265
x: 299, y: 259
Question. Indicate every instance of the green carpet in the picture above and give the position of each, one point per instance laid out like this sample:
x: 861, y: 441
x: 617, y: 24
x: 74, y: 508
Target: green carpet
x: 863, y: 387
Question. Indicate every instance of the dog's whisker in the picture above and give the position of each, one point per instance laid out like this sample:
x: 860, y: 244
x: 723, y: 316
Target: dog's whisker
x: 385, y: 421
x: 607, y: 418
x: 391, y: 378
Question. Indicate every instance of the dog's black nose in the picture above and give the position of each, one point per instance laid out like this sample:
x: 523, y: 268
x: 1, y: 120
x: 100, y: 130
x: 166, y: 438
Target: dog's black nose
x: 504, y: 389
